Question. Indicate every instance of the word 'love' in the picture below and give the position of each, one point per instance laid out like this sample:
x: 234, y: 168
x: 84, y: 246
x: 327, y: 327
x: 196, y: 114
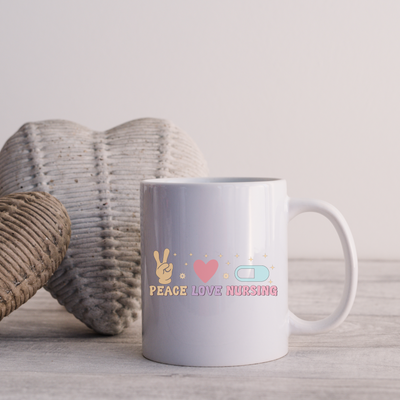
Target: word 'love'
x: 210, y: 290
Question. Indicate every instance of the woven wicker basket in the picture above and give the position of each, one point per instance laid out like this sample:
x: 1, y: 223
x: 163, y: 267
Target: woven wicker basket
x: 96, y: 176
x: 35, y: 231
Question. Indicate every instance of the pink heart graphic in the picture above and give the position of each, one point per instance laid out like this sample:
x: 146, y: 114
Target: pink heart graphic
x: 205, y: 271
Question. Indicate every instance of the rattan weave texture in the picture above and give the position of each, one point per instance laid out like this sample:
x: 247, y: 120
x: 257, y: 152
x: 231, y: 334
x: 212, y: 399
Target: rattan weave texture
x: 35, y: 231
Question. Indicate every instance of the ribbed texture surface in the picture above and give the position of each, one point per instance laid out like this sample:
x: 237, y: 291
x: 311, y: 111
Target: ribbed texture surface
x: 96, y: 175
x: 35, y: 231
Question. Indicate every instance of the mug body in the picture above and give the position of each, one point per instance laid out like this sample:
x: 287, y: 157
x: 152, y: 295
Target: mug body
x: 214, y: 270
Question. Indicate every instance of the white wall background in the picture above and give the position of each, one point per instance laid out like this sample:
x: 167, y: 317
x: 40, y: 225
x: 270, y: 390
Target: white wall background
x: 304, y: 90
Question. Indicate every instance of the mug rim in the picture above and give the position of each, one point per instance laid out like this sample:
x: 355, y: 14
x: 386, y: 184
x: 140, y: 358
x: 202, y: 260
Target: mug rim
x: 210, y: 180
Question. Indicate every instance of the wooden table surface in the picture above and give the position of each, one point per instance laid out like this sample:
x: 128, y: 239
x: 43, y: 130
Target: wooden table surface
x: 48, y: 354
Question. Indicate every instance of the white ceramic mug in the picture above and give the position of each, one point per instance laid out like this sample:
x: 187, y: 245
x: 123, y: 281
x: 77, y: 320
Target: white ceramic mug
x: 215, y: 270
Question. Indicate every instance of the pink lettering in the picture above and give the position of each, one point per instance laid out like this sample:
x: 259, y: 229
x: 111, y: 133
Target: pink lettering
x: 264, y: 290
x: 238, y: 290
x: 229, y: 290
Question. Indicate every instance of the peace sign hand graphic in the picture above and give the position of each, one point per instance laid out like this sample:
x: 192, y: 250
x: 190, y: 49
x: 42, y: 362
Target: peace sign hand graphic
x: 164, y: 270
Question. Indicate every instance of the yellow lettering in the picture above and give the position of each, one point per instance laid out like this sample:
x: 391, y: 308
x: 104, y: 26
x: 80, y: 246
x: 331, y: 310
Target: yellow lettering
x: 168, y: 291
x: 160, y: 290
x: 152, y: 290
x: 176, y: 290
x: 183, y: 291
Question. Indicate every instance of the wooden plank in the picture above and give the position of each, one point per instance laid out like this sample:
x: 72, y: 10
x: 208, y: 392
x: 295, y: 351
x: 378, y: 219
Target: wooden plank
x: 356, y: 332
x: 124, y: 356
x: 85, y: 357
x: 182, y: 386
x: 39, y: 386
x: 46, y: 353
x: 372, y: 298
x: 315, y: 288
x: 333, y: 270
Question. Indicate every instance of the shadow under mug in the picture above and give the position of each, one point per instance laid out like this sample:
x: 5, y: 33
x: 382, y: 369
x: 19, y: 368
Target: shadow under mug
x: 215, y: 270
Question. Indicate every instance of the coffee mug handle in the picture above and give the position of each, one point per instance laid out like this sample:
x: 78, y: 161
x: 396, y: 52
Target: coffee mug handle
x: 299, y: 326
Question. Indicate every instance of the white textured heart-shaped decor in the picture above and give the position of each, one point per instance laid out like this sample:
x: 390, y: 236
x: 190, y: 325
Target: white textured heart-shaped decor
x: 96, y: 176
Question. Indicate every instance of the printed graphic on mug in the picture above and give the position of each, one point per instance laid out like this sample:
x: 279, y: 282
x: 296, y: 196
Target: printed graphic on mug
x: 164, y: 270
x: 205, y: 271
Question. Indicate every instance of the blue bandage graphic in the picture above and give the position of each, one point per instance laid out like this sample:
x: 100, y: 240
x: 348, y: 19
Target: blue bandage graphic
x: 252, y: 273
